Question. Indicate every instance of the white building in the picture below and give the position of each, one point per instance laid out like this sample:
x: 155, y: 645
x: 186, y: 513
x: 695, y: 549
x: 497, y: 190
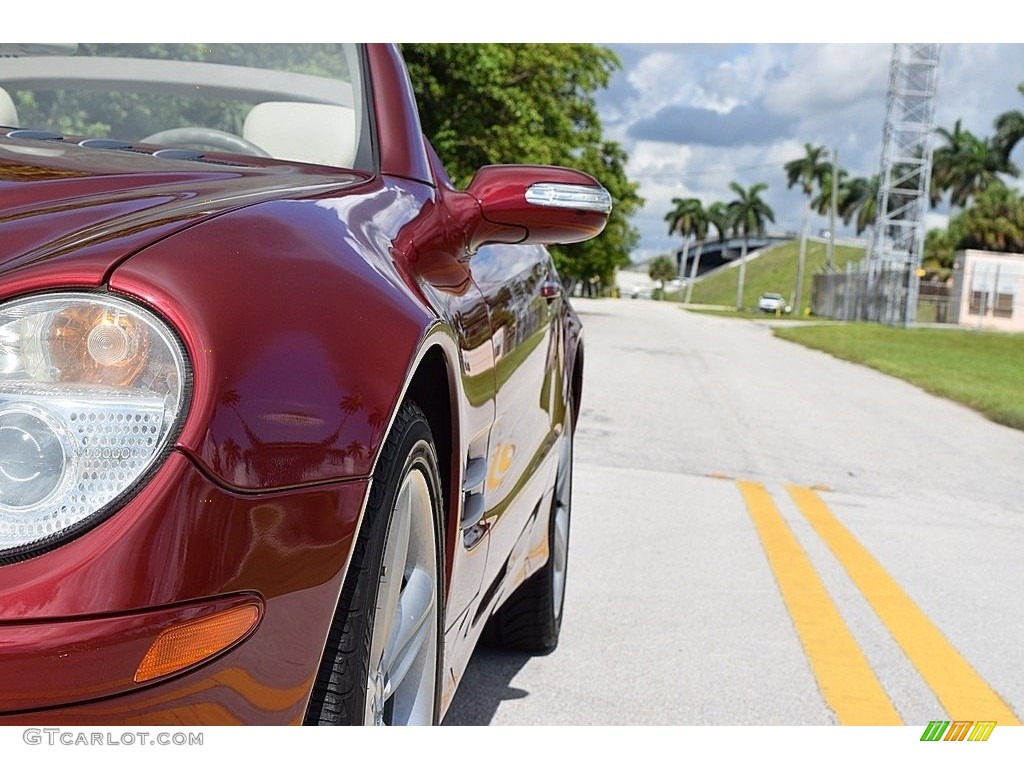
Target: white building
x: 990, y: 289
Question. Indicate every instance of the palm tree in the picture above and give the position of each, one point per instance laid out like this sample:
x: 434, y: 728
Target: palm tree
x: 689, y: 219
x: 827, y: 203
x: 701, y: 225
x: 807, y: 171
x: 686, y: 219
x: 994, y: 222
x: 748, y: 213
x: 720, y: 219
x: 944, y: 158
x: 661, y: 269
x: 965, y: 166
x: 715, y: 215
x: 1009, y: 130
x: 858, y: 202
x: 822, y: 202
x: 232, y: 454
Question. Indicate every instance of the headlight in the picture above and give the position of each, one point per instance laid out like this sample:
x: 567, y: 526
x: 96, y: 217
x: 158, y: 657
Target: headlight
x: 92, y: 388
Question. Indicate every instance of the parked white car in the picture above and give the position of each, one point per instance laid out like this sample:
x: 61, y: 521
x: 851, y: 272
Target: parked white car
x: 774, y: 303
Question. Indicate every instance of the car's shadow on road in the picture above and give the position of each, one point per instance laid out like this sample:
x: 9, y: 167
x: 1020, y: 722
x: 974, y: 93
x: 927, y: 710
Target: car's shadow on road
x: 485, y: 684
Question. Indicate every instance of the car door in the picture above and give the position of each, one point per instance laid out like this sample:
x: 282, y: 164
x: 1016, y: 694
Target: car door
x: 518, y: 375
x: 524, y: 298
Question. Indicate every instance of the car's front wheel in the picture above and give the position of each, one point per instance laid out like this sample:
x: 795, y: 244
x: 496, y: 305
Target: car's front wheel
x: 382, y: 663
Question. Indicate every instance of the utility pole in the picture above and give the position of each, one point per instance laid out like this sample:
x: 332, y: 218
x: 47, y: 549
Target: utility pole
x: 830, y: 246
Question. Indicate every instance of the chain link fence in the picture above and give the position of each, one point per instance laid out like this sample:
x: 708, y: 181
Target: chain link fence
x: 879, y: 294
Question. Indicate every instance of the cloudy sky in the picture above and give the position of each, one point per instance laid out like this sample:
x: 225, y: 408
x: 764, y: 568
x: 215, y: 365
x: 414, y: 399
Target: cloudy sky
x: 694, y: 117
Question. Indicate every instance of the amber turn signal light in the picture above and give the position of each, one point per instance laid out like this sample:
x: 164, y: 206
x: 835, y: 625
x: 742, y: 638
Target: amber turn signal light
x: 98, y: 345
x: 193, y: 641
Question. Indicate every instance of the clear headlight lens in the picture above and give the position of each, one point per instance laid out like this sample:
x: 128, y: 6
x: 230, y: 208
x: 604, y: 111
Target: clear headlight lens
x: 91, y: 389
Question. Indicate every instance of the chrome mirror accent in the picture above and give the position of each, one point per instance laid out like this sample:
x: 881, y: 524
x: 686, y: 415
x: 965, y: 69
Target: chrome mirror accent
x: 575, y: 196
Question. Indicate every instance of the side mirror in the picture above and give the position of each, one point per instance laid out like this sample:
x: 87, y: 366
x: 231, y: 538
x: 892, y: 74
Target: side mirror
x: 536, y: 204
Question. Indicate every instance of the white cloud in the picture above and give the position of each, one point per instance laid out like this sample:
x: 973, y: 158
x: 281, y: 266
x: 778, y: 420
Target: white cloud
x: 823, y: 77
x: 741, y: 80
x: 977, y: 83
x: 659, y: 160
x: 660, y: 79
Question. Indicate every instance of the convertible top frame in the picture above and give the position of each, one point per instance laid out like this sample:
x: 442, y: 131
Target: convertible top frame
x: 171, y: 76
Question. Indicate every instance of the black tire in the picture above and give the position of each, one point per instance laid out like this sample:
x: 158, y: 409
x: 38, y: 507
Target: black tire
x: 531, y: 619
x: 345, y: 692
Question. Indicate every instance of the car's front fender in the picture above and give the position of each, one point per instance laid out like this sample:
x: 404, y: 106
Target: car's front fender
x: 300, y: 331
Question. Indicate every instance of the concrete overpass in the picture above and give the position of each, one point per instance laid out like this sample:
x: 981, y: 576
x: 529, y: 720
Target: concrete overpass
x: 717, y: 253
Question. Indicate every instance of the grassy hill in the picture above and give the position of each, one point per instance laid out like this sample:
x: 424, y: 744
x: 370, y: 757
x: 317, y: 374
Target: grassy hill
x: 774, y: 271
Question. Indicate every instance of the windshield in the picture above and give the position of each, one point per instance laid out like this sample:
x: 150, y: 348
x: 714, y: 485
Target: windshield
x: 300, y: 102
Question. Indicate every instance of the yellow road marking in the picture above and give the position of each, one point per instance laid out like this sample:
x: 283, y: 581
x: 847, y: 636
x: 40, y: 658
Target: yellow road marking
x: 847, y: 681
x: 959, y: 688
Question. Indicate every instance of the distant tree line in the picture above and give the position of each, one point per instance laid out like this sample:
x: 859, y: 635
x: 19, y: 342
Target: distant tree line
x: 968, y: 172
x: 745, y: 215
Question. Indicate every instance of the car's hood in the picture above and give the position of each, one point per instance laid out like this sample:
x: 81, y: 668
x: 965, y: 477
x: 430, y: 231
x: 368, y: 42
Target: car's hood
x: 59, y: 200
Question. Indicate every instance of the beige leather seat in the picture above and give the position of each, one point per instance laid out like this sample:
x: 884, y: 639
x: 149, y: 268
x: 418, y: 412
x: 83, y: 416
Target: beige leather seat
x: 8, y: 112
x: 307, y: 133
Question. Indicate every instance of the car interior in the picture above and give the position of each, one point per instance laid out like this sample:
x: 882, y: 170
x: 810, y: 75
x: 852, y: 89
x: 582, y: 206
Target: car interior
x: 324, y: 134
x: 8, y: 112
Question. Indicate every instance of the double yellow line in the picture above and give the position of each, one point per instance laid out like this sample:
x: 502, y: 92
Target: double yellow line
x: 849, y: 685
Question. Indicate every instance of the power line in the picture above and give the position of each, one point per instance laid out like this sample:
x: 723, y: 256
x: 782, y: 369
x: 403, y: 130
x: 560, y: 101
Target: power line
x: 687, y: 175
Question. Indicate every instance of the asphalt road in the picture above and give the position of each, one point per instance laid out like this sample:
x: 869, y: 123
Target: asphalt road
x: 764, y: 535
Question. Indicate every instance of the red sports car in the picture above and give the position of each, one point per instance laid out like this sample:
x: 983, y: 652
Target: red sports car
x: 286, y: 420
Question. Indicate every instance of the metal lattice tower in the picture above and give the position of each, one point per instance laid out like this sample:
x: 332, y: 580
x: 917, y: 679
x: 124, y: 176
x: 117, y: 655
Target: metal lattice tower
x: 905, y: 173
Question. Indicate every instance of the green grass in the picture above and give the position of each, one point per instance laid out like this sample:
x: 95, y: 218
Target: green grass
x: 774, y: 271
x: 982, y: 370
